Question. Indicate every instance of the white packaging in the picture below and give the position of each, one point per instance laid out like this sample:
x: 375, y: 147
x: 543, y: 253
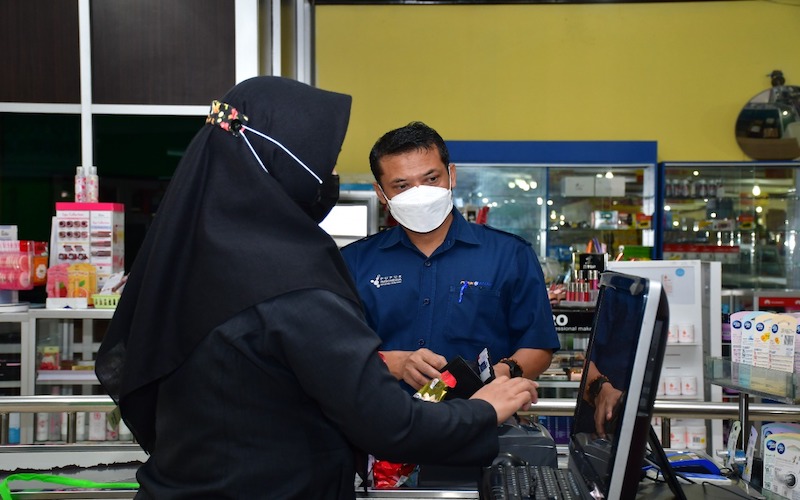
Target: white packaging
x: 112, y: 434
x: 672, y: 385
x: 771, y: 433
x: 42, y: 426
x: 672, y: 334
x: 686, y: 333
x: 786, y: 466
x: 696, y: 436
x: 761, y: 339
x: 54, y: 430
x: 689, y: 385
x: 97, y: 426
x: 677, y: 437
x: 781, y: 350
x: 80, y: 426
x: 736, y: 335
x: 124, y: 432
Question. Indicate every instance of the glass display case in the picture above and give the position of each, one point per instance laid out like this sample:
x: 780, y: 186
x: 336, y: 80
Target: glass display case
x: 564, y: 196
x: 743, y: 214
x: 562, y: 209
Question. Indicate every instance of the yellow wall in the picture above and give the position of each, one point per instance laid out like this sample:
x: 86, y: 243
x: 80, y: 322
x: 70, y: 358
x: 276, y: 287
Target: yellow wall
x: 677, y: 73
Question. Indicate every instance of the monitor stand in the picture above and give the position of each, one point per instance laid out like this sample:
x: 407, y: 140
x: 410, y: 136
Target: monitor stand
x: 659, y: 458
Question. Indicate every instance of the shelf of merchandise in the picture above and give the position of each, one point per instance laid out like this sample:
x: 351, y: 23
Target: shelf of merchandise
x: 692, y: 288
x: 778, y: 386
x: 21, y: 318
x: 62, y: 325
x: 741, y: 214
x: 62, y: 322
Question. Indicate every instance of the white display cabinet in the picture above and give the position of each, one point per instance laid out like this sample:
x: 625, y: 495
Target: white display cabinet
x: 693, y: 291
x: 58, y: 358
x: 13, y: 328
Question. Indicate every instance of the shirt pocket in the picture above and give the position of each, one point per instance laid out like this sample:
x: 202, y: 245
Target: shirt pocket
x: 474, y: 315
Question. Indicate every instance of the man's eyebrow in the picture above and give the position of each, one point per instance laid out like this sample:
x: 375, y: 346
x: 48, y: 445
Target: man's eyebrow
x: 397, y: 180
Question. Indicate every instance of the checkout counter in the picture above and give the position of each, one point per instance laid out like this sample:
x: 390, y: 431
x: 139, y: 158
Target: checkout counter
x: 126, y: 472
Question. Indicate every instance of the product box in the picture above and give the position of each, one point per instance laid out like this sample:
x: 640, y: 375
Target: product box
x: 605, y: 219
x: 16, y: 265
x: 8, y: 232
x: 613, y: 187
x: 643, y: 221
x: 574, y: 186
x: 92, y: 233
x: 782, y: 345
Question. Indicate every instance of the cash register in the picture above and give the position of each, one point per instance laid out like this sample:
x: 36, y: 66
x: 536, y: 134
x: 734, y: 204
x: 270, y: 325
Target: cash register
x: 521, y: 440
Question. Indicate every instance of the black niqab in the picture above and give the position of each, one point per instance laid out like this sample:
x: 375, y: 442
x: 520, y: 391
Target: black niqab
x: 227, y: 236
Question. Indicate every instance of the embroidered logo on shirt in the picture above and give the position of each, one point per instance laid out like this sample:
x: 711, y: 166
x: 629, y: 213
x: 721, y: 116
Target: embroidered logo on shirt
x: 380, y: 281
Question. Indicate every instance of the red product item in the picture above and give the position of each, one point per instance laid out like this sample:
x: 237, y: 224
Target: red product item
x: 392, y: 475
x: 483, y: 215
x: 16, y: 265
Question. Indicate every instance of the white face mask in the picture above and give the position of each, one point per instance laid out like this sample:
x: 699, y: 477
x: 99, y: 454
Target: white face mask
x: 422, y: 208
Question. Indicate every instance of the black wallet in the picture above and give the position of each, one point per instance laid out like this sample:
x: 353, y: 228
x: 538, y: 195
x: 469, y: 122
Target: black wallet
x: 467, y: 379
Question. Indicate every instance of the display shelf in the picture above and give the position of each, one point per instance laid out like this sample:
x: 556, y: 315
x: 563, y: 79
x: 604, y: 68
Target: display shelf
x: 75, y: 334
x: 741, y: 214
x: 559, y: 205
x: 776, y: 385
x: 66, y: 377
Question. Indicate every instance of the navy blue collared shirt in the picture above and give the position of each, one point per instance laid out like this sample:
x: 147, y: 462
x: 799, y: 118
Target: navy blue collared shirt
x: 482, y: 288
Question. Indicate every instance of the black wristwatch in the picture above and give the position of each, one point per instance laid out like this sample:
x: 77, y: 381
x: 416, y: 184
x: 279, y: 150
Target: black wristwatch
x: 513, y: 367
x: 596, y: 386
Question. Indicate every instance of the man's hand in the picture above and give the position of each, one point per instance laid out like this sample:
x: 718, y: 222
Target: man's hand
x: 416, y: 368
x: 508, y: 395
x: 604, y: 406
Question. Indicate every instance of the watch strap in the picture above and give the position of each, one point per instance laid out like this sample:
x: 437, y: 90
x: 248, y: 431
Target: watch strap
x: 513, y: 367
x: 596, y: 386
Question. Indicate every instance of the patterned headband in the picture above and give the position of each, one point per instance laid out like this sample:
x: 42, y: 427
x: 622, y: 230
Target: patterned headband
x: 226, y: 117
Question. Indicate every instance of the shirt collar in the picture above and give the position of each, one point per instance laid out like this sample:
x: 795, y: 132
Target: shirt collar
x: 460, y: 230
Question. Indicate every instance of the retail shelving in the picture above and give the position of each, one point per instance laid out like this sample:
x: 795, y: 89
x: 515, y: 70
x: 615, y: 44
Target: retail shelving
x: 692, y: 289
x: 742, y: 214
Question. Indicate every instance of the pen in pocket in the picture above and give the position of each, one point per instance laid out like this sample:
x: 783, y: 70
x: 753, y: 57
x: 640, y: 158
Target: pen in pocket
x: 466, y: 284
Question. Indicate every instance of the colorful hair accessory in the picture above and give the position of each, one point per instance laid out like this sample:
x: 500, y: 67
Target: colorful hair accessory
x: 226, y: 117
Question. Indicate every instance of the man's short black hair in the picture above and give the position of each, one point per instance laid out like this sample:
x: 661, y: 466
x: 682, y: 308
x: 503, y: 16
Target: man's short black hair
x: 413, y: 137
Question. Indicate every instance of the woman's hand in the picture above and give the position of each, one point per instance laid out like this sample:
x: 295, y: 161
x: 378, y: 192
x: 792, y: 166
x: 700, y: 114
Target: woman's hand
x: 508, y: 395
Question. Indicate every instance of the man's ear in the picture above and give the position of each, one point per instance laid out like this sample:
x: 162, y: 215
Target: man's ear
x: 379, y: 192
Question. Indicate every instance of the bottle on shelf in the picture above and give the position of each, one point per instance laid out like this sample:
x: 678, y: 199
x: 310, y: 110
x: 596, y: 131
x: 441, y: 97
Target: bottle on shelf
x: 80, y: 185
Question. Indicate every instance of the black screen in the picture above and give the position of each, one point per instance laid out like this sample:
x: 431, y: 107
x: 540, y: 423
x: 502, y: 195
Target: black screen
x: 626, y: 346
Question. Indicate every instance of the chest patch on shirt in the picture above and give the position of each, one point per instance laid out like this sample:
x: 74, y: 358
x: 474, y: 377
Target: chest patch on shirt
x: 380, y: 281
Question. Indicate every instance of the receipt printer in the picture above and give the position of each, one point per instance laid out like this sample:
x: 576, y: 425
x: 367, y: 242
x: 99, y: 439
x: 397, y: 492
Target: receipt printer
x: 521, y: 443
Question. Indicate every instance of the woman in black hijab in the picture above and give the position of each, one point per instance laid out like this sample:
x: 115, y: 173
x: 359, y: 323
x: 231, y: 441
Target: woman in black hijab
x: 238, y: 352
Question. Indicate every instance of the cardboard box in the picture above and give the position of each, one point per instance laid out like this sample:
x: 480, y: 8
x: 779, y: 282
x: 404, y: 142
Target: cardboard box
x: 614, y: 186
x: 577, y: 186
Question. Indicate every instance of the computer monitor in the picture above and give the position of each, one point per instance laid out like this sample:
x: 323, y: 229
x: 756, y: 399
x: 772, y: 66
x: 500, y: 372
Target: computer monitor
x: 627, y: 346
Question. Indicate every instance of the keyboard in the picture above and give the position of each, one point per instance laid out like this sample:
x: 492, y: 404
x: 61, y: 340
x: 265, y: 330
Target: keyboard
x: 528, y: 482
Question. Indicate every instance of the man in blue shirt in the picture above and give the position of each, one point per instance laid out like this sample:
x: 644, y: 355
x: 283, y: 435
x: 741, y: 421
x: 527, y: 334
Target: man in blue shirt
x: 437, y: 286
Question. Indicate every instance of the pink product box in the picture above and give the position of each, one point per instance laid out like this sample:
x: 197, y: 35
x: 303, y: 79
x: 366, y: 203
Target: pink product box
x: 93, y: 233
x: 16, y: 265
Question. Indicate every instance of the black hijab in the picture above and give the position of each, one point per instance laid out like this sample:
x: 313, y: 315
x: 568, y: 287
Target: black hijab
x: 227, y: 236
